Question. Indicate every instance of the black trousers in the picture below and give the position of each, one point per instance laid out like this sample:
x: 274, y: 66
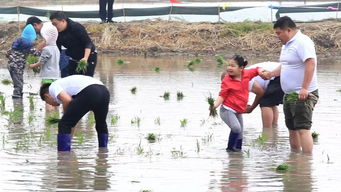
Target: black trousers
x: 92, y: 98
x: 92, y: 62
x: 104, y: 13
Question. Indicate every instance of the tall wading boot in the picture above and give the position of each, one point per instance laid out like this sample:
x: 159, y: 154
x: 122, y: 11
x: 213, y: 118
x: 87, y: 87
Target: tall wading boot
x: 231, y: 146
x: 102, y: 140
x: 64, y: 142
x: 239, y: 144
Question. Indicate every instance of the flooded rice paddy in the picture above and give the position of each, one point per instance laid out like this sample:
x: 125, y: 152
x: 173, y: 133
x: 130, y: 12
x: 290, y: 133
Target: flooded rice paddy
x: 186, y: 150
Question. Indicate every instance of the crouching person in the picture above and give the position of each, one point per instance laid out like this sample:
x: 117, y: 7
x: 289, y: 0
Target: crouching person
x: 78, y: 95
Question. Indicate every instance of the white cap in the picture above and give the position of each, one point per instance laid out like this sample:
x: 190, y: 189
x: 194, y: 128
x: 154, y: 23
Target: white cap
x: 50, y: 33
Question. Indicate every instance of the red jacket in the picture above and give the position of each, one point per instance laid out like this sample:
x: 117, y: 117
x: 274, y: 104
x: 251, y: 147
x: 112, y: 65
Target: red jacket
x: 236, y: 93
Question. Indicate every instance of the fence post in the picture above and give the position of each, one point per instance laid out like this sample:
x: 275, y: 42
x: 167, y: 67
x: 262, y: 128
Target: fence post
x: 170, y: 12
x: 219, y: 19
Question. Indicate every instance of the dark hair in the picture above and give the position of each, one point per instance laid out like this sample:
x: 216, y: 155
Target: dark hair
x: 284, y: 23
x: 32, y: 20
x: 241, y: 61
x: 43, y: 90
x: 59, y: 15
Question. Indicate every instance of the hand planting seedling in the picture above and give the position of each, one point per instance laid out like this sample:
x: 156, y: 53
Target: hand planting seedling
x: 6, y: 81
x: 282, y: 167
x: 81, y: 66
x: 292, y: 97
x: 213, y: 111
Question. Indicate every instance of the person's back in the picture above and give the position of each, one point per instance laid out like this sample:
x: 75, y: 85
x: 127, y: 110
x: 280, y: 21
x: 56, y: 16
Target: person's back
x: 50, y: 56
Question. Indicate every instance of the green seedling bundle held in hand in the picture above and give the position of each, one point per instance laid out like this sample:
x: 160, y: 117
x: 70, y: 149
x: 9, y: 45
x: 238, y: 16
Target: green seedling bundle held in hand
x: 81, y: 66
x: 213, y: 112
x: 292, y: 97
x: 31, y: 59
x: 52, y: 118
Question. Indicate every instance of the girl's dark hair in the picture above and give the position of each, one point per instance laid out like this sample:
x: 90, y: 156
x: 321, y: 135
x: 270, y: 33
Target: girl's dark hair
x: 241, y: 61
x: 43, y: 90
x: 59, y: 15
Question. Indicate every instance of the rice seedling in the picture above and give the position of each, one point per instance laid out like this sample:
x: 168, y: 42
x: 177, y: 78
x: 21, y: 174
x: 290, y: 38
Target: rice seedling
x: 91, y: 119
x: 166, y: 95
x: 2, y: 102
x: 16, y: 115
x: 157, y: 121
x: 198, y: 146
x: 139, y: 149
x: 52, y: 118
x: 282, y: 167
x: 157, y: 69
x: 31, y: 117
x: 247, y: 152
x: 6, y: 81
x: 261, y: 139
x: 31, y: 59
x: 120, y: 61
x: 315, y: 135
x: 136, y: 121
x: 210, y: 101
x: 179, y: 95
x: 80, y: 137
x: 133, y: 90
x: 220, y: 61
x: 292, y: 97
x: 193, y: 62
x: 114, y: 119
x: 177, y: 153
x: 30, y: 98
x: 146, y: 190
x: 81, y: 66
x: 151, y: 137
x: 183, y: 122
x: 338, y: 90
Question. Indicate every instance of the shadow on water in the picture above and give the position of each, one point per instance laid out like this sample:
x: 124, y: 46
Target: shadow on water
x: 183, y: 158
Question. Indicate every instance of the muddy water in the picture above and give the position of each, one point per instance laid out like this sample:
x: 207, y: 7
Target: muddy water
x: 188, y: 157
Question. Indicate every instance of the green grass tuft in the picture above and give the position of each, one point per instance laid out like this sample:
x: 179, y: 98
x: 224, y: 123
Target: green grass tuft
x: 6, y: 81
x: 133, y: 90
x: 179, y: 95
x: 282, y: 167
x: 151, y: 137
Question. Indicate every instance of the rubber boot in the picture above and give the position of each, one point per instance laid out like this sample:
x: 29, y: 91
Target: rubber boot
x: 102, y: 140
x: 64, y: 142
x: 239, y: 144
x: 231, y: 146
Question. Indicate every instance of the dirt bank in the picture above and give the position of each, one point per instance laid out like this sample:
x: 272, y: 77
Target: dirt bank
x: 153, y: 38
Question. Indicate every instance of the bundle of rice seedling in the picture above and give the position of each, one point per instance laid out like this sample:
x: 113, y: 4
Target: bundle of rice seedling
x: 81, y: 66
x: 213, y: 112
x: 292, y: 97
x: 31, y: 59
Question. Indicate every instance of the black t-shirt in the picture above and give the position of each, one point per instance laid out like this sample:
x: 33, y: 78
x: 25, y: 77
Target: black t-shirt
x: 75, y: 38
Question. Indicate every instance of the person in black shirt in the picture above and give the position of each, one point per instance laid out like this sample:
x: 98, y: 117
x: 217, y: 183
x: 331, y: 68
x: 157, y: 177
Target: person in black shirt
x: 104, y: 14
x: 74, y: 37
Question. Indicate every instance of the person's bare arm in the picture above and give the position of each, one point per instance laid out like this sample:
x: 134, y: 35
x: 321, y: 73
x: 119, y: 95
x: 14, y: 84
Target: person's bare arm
x: 65, y: 99
x: 259, y: 91
x: 218, y: 102
x: 308, y: 76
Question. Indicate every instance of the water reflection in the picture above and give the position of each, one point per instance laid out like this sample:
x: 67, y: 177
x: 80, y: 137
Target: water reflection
x: 233, y: 176
x: 299, y: 177
x: 73, y: 173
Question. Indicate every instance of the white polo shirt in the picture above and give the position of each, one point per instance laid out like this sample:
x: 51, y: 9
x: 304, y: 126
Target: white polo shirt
x: 269, y: 66
x: 293, y: 54
x: 72, y: 85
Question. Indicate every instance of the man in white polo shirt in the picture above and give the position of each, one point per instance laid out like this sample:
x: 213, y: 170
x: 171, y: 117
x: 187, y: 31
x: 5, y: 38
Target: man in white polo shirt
x: 78, y: 94
x: 298, y: 76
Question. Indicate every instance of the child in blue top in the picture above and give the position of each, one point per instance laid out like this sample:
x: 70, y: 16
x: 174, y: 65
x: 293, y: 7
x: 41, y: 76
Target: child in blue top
x: 20, y: 49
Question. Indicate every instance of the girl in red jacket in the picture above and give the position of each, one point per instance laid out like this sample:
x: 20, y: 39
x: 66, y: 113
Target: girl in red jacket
x: 233, y: 98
